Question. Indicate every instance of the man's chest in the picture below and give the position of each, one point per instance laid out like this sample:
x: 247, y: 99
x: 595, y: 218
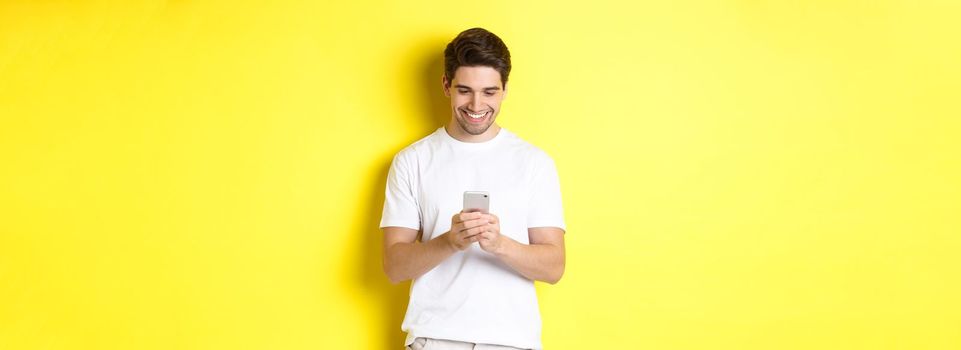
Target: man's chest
x: 442, y: 186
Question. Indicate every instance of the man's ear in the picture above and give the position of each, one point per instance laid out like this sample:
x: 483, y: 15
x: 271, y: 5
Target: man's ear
x: 446, y: 85
x: 505, y: 91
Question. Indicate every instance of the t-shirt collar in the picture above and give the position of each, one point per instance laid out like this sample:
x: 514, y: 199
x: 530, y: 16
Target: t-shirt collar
x: 442, y: 131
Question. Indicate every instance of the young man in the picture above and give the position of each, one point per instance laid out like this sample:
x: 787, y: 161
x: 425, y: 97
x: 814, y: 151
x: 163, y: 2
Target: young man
x: 473, y: 274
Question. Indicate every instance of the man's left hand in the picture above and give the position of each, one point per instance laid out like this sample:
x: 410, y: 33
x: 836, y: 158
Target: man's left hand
x: 490, y: 239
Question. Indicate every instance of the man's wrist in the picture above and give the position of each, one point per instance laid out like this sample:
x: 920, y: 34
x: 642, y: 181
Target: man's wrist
x: 448, y: 245
x: 506, y: 247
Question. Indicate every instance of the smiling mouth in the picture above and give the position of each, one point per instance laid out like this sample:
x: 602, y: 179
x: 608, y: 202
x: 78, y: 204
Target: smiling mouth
x: 476, y: 116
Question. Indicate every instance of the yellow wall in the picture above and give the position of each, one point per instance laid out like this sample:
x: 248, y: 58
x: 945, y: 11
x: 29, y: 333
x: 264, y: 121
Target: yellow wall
x: 736, y: 174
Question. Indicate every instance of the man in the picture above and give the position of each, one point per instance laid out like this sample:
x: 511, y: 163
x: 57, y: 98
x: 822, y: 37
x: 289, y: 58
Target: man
x: 473, y: 276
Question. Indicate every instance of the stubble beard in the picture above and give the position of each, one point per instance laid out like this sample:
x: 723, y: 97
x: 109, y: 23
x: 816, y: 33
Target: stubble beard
x: 474, y: 129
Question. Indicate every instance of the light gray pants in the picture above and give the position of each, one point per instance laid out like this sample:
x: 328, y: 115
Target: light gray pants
x: 444, y: 344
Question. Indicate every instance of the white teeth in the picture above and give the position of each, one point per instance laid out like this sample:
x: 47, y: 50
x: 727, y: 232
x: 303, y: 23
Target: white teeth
x: 476, y: 116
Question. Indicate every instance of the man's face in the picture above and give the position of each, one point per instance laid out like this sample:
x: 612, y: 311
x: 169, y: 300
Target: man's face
x: 475, y: 97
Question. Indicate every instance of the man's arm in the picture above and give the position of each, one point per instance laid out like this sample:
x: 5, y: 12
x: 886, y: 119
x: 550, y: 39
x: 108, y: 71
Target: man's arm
x: 405, y: 258
x: 542, y: 260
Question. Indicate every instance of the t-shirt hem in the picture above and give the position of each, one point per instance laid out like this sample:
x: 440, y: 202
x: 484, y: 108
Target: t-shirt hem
x: 547, y: 224
x: 413, y: 226
x: 434, y: 334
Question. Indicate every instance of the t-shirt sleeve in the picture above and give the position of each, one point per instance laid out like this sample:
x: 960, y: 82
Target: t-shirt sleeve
x: 400, y: 205
x: 546, y: 209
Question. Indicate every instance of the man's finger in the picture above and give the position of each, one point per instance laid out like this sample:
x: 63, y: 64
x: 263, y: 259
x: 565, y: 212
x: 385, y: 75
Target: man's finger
x: 471, y: 215
x: 481, y: 236
x: 473, y: 231
x: 474, y: 223
x: 464, y: 234
x: 469, y: 238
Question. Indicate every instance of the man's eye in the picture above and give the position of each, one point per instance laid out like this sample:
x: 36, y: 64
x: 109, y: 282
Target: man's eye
x: 489, y: 93
x: 463, y: 91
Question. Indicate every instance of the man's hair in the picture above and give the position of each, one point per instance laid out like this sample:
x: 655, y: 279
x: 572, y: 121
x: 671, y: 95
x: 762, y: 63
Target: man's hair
x: 477, y: 47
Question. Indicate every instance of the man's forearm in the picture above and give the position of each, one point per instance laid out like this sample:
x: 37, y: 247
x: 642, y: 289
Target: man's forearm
x: 406, y: 261
x: 541, y: 262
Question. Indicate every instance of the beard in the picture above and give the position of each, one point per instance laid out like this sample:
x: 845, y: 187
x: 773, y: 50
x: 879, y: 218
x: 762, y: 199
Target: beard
x: 474, y: 129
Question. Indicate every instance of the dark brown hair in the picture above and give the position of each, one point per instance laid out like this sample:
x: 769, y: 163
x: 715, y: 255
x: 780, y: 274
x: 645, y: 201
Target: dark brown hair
x: 477, y: 47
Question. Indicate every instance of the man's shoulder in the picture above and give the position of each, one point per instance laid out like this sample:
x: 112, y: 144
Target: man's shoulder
x: 421, y: 145
x: 527, y: 149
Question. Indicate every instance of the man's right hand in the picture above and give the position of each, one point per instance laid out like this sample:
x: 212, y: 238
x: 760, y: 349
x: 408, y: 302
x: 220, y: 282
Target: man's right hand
x: 464, y: 229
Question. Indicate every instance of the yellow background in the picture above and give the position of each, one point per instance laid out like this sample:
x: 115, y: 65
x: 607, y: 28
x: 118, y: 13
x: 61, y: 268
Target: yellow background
x: 736, y: 174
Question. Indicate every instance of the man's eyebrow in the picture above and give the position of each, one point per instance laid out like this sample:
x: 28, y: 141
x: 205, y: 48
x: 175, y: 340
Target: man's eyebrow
x: 459, y: 86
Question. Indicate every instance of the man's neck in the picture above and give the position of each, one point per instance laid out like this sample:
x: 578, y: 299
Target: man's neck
x: 459, y: 134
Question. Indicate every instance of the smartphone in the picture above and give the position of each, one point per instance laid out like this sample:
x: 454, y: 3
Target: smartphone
x: 476, y: 201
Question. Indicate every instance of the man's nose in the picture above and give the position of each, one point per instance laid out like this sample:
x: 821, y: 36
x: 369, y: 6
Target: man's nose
x: 475, y: 103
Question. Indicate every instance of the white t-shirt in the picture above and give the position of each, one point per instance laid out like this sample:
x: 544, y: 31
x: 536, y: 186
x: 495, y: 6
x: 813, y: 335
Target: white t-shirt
x: 472, y: 296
